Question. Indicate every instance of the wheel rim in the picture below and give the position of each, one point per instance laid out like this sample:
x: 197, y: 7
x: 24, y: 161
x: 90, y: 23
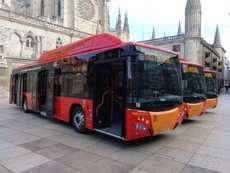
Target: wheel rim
x: 79, y: 119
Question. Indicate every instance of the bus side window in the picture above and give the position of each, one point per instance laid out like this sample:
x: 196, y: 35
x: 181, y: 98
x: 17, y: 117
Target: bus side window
x: 74, y: 85
x: 29, y: 82
x: 57, y: 82
x: 24, y: 79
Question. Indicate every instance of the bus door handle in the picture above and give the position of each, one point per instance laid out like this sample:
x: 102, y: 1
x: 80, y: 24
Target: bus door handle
x: 102, y: 102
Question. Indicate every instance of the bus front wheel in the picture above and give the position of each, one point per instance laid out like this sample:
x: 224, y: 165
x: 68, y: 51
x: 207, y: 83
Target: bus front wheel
x: 78, y: 119
x: 25, y: 106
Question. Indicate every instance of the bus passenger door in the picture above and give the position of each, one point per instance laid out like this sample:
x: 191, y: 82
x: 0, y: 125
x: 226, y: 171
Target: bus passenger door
x: 11, y: 89
x: 19, y: 89
x: 14, y: 80
x: 103, y: 96
x: 46, y: 92
x: 34, y: 89
x: 50, y: 94
x: 110, y: 98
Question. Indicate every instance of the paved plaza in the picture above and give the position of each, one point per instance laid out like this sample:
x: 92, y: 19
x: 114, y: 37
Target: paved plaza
x: 32, y: 144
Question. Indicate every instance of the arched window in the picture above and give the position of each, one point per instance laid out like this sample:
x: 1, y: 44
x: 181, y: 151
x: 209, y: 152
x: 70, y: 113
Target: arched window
x: 29, y: 42
x: 42, y: 8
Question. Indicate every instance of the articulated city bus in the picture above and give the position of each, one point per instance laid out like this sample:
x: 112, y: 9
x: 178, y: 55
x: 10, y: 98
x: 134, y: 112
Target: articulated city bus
x: 194, y: 94
x: 211, y: 89
x: 125, y: 90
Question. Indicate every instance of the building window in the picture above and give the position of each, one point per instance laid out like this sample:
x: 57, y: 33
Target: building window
x: 214, y: 60
x: 42, y: 8
x: 59, y: 8
x: 1, y: 49
x: 214, y: 68
x: 176, y: 48
x: 207, y: 54
x: 29, y: 42
x: 207, y: 64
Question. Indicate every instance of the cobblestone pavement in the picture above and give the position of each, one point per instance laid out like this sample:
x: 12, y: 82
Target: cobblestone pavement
x: 31, y: 144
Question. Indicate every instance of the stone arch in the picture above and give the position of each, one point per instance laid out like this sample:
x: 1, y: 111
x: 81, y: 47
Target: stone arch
x: 29, y: 34
x: 19, y: 36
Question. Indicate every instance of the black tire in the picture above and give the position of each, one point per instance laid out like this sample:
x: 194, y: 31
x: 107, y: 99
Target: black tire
x: 78, y: 120
x: 25, y: 106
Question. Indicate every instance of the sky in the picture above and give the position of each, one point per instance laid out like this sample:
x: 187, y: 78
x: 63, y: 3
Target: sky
x: 165, y: 15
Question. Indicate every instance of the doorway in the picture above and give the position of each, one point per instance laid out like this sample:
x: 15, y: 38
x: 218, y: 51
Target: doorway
x: 109, y: 102
x: 42, y: 90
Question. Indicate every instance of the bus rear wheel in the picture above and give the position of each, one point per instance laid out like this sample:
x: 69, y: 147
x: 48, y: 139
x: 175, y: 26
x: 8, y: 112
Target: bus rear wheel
x: 25, y: 106
x: 78, y: 120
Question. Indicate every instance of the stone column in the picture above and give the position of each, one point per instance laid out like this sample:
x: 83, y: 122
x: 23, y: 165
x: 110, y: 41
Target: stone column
x: 48, y: 8
x: 69, y: 13
x: 8, y: 3
x: 193, y: 50
x: 36, y: 8
x: 39, y: 45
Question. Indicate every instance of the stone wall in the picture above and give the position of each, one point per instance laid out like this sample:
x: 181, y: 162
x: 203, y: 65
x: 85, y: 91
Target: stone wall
x: 4, y: 77
x: 14, y: 30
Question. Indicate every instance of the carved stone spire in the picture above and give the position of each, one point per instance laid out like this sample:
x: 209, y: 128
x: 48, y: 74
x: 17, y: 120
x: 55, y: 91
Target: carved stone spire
x: 118, y: 24
x: 179, y: 32
x: 193, y: 18
x: 217, y: 40
x: 193, y: 5
x: 154, y: 33
x: 126, y: 23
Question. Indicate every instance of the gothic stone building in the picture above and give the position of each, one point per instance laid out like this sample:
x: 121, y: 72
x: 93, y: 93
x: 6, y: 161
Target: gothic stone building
x: 30, y: 27
x: 191, y: 45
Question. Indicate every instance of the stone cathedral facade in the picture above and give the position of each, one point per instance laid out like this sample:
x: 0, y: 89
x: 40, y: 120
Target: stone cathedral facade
x: 30, y: 27
x: 191, y: 45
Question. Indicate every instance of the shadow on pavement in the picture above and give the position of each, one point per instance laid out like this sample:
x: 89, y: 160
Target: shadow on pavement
x: 189, y: 121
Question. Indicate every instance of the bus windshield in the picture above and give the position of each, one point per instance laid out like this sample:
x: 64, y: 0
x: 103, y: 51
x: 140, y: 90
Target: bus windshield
x: 158, y: 79
x: 193, y: 82
x: 211, y: 84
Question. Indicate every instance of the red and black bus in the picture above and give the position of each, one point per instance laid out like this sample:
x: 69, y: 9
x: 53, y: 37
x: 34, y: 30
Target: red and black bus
x: 211, y: 89
x: 122, y: 89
